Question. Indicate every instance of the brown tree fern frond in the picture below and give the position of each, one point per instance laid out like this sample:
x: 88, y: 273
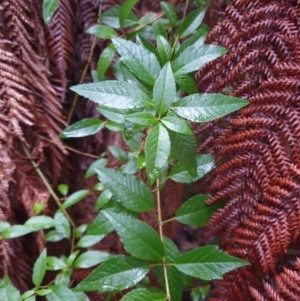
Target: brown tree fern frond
x: 256, y: 149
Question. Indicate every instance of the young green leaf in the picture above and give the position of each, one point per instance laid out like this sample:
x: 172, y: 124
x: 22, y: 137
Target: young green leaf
x: 118, y: 153
x: 164, y: 90
x: 28, y: 294
x: 39, y: 269
x: 131, y: 192
x: 142, y: 41
x: 159, y: 29
x: 41, y: 222
x: 164, y: 49
x: 143, y: 294
x: 139, y: 60
x: 4, y: 226
x: 157, y: 150
x: 169, y: 12
x: 115, y: 274
x: 205, y: 163
x: 142, y: 118
x: 115, y: 115
x: 207, y: 107
x: 102, y: 31
x: 113, y: 94
x: 43, y: 292
x: 103, y: 198
x: 16, y: 231
x: 83, y: 128
x: 89, y: 240
x: 74, y: 198
x: 38, y: 208
x: 195, y: 212
x: 208, y: 263
x: 7, y: 291
x: 111, y: 17
x: 184, y: 149
x: 63, y: 228
x: 191, y: 22
x: 54, y: 236
x: 193, y: 58
x: 60, y: 293
x: 49, y: 8
x: 186, y: 83
x: 90, y: 258
x: 54, y: 263
x: 139, y: 239
x: 96, y: 164
x: 125, y: 10
x: 72, y: 257
x: 63, y: 189
x: 106, y: 57
x: 176, y: 124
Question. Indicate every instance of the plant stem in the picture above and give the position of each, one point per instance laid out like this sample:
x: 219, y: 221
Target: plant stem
x: 53, y: 194
x: 86, y: 67
x: 160, y: 227
x: 168, y: 220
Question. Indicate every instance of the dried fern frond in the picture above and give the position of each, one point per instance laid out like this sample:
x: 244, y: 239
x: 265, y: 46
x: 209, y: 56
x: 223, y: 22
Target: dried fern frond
x: 256, y: 149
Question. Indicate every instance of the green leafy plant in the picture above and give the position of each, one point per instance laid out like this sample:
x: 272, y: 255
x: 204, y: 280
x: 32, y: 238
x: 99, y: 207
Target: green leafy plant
x: 152, y: 102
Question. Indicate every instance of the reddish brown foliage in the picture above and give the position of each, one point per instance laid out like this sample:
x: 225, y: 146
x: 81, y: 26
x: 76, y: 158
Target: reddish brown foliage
x: 257, y: 149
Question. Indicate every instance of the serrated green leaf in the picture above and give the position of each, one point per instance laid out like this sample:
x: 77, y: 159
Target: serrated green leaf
x: 16, y: 231
x: 187, y: 83
x: 101, y: 224
x: 89, y: 240
x: 60, y: 293
x: 159, y: 29
x: 193, y: 58
x: 118, y: 153
x: 113, y: 94
x: 183, y: 147
x: 7, y: 291
x: 207, y: 107
x: 205, y: 163
x: 195, y: 212
x: 191, y: 22
x: 80, y: 230
x: 125, y: 10
x: 80, y: 296
x: 114, y: 127
x: 139, y: 60
x: 63, y: 189
x: 141, y: 40
x: 111, y: 17
x: 49, y: 7
x: 208, y: 263
x: 141, y: 118
x: 164, y: 49
x: 115, y: 274
x: 197, y: 40
x: 132, y: 232
x: 4, y: 226
x: 41, y: 222
x: 63, y: 228
x: 164, y: 90
x: 54, y: 236
x: 169, y: 12
x: 130, y: 129
x: 102, y: 31
x: 39, y: 269
x: 177, y: 125
x: 115, y: 115
x: 74, y: 198
x: 83, y: 128
x: 54, y: 263
x: 144, y: 295
x: 90, y: 258
x: 106, y: 58
x: 97, y: 164
x: 157, y: 150
x: 131, y: 192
